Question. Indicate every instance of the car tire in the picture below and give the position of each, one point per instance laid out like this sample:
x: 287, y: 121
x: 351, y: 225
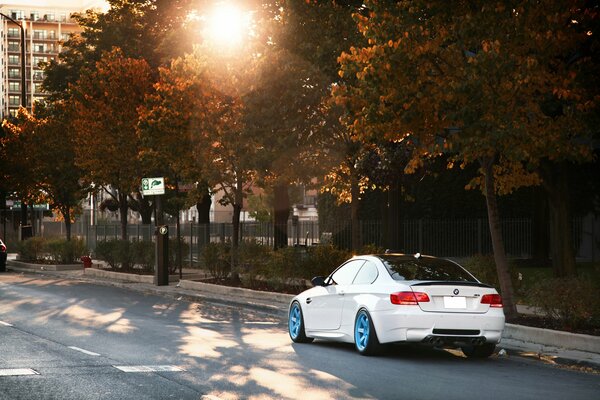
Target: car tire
x: 296, y: 324
x: 365, y: 337
x: 482, y: 351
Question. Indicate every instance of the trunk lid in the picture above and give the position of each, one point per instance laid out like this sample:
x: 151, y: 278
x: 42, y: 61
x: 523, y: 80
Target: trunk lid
x: 453, y: 297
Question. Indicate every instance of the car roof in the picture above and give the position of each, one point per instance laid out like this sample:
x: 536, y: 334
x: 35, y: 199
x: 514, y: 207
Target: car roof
x: 401, y: 256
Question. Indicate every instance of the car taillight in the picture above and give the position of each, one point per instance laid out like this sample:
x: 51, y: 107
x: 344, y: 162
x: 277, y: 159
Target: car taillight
x: 409, y: 298
x: 494, y: 300
x: 2, y: 248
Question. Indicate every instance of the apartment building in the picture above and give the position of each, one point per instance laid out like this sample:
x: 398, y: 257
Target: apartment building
x: 47, y: 25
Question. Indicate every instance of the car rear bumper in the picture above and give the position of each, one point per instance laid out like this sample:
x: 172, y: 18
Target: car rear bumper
x: 414, y: 325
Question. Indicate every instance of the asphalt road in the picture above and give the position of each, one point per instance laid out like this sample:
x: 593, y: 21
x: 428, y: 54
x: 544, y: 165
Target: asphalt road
x: 74, y: 335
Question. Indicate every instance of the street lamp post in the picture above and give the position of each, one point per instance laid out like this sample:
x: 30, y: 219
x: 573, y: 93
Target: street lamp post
x: 23, y: 66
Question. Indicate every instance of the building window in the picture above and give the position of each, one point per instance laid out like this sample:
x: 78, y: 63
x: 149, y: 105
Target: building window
x: 39, y: 34
x: 14, y: 73
x: 39, y: 48
x: 12, y: 112
x: 13, y: 60
x: 14, y: 46
x: 17, y: 14
x: 14, y: 100
x: 62, y: 17
x: 37, y: 60
x: 35, y: 15
x: 51, y: 35
x: 37, y: 87
x: 14, y: 86
x: 65, y: 36
x: 38, y: 75
x: 49, y: 17
x: 14, y: 32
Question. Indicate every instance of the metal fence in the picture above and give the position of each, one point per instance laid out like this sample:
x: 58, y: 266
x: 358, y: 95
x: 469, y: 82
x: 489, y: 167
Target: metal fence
x: 448, y: 238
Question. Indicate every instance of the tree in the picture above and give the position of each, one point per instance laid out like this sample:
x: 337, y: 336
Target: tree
x: 59, y: 177
x: 192, y: 126
x: 18, y: 152
x: 284, y: 130
x: 300, y: 44
x: 105, y: 123
x: 144, y: 29
x: 468, y: 81
x: 48, y: 172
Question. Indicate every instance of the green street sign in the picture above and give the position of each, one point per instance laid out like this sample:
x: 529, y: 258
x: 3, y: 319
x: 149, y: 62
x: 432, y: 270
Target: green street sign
x: 153, y: 186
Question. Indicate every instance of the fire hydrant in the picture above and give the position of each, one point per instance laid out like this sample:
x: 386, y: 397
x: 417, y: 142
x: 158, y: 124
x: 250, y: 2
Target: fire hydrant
x: 87, y: 261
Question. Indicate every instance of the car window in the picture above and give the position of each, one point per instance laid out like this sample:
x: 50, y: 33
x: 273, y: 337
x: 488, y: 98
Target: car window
x: 425, y: 269
x: 345, y: 274
x: 367, y: 274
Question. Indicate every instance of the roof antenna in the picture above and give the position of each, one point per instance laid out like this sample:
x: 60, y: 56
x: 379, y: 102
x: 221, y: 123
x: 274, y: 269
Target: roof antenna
x: 417, y: 255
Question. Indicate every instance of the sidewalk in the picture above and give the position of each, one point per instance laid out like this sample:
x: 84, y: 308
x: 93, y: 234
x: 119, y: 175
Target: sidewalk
x: 553, y: 347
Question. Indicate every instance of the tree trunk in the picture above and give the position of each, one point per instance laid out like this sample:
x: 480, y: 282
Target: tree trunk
x: 506, y: 287
x: 23, y: 212
x: 354, y: 208
x: 235, y: 273
x: 540, y: 239
x: 203, y: 208
x: 67, y: 216
x: 281, y: 215
x: 146, y: 209
x: 235, y: 236
x: 555, y: 176
x: 393, y: 220
x: 123, y: 207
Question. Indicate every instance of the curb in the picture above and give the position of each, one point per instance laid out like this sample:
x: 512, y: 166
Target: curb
x: 27, y: 267
x: 548, y: 337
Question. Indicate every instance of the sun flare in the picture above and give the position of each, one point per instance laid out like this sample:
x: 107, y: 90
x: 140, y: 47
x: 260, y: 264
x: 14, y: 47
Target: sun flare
x: 227, y: 24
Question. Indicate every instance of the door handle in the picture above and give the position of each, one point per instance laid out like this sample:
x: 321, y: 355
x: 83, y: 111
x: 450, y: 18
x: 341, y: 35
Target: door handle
x: 308, y: 301
x: 342, y: 292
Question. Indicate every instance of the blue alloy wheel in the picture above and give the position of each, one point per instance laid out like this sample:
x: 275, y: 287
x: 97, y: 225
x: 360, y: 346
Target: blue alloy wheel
x: 296, y: 325
x: 361, y: 331
x: 365, y: 337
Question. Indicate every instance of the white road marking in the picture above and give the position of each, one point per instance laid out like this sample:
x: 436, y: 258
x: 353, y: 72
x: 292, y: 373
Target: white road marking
x: 149, y: 368
x: 5, y: 323
x: 90, y: 353
x: 18, y: 372
x: 260, y: 323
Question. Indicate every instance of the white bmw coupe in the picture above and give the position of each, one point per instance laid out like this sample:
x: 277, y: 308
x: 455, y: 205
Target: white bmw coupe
x: 392, y: 298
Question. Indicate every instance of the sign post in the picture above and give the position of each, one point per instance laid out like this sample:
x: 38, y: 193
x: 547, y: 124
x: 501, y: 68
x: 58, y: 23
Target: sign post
x: 156, y: 187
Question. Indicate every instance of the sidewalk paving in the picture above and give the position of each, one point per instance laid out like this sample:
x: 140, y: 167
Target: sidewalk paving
x: 520, y: 344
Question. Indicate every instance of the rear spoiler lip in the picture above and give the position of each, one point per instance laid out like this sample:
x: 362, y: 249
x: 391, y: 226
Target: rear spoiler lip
x: 451, y: 283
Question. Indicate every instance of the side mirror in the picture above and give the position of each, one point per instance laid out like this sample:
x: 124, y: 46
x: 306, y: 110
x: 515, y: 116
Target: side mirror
x: 318, y: 281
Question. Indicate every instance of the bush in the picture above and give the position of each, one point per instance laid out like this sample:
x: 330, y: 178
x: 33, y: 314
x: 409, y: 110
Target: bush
x: 253, y: 256
x: 174, y: 253
x: 32, y: 249
x: 65, y: 251
x: 322, y: 260
x: 483, y: 267
x: 105, y: 250
x: 216, y: 257
x: 371, y: 249
x: 143, y: 252
x: 570, y: 302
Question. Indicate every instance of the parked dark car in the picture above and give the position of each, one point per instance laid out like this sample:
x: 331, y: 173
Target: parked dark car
x: 2, y: 256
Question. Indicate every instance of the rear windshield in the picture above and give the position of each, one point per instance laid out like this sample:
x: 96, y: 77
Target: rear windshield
x: 425, y: 269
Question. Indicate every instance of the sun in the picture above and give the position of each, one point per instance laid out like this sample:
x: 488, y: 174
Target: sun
x: 227, y: 24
